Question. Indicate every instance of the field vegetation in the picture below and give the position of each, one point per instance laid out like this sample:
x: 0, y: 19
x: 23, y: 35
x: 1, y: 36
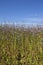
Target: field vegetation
x: 21, y: 45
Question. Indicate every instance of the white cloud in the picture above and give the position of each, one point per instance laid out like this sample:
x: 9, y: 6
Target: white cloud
x: 26, y: 21
x: 33, y: 20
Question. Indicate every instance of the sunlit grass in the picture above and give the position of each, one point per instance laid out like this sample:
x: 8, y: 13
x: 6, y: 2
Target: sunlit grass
x: 20, y: 46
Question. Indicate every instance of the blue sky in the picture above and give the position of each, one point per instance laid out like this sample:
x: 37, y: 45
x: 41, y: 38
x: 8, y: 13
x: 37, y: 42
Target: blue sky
x: 21, y: 11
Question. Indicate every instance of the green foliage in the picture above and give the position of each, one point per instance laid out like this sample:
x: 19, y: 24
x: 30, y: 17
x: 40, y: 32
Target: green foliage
x: 21, y: 47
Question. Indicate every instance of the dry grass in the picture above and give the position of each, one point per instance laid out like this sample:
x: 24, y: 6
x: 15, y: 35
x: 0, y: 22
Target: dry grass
x: 21, y: 46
